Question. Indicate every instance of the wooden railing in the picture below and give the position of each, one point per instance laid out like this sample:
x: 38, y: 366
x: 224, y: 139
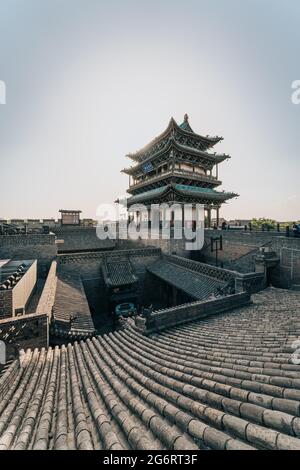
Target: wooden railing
x: 189, y: 174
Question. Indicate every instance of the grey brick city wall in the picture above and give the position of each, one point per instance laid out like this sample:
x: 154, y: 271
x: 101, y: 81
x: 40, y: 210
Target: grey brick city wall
x: 81, y: 239
x: 27, y: 240
x: 96, y: 257
x: 287, y: 273
x: 235, y: 246
x: 169, y: 247
x: 31, y: 246
x: 251, y: 283
x: 239, y: 248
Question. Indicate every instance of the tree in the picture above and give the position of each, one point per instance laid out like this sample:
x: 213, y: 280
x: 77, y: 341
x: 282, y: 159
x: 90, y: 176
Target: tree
x: 263, y: 224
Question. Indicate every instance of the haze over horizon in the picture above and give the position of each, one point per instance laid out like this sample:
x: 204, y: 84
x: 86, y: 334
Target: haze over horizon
x: 89, y: 82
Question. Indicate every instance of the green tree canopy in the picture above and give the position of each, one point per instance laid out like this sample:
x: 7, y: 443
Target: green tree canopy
x: 259, y: 224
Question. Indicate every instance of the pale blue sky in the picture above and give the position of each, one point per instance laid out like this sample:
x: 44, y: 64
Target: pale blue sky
x: 89, y: 81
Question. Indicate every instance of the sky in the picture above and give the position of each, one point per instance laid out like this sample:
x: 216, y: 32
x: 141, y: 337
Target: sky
x: 88, y: 81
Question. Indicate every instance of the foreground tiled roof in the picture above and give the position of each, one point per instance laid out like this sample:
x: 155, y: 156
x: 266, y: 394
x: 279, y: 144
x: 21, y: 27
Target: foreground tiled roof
x: 198, y: 285
x: 226, y: 382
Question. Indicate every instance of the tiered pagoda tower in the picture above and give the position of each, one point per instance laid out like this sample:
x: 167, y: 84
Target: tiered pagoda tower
x: 177, y: 167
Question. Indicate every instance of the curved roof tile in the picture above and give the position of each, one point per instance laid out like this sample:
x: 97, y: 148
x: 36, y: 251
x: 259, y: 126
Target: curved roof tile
x: 225, y: 382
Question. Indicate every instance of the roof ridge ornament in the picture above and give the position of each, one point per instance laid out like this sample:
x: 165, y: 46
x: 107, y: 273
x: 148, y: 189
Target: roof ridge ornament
x: 186, y: 117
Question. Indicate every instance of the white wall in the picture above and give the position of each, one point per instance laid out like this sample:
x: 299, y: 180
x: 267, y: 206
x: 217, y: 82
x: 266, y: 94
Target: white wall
x: 23, y: 289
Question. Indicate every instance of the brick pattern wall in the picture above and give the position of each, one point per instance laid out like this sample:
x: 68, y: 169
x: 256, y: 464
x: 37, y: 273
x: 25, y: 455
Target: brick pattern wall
x: 6, y: 304
x: 245, y: 237
x: 173, y: 316
x: 239, y: 249
x: 212, y: 271
x: 244, y: 263
x: 176, y: 247
x: 27, y: 240
x: 251, y: 283
x: 81, y: 239
x: 82, y: 258
x: 31, y: 246
x: 287, y: 273
x: 28, y: 331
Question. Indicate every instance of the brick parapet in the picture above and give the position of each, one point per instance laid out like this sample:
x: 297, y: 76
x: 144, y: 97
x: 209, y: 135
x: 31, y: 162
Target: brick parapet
x: 166, y: 318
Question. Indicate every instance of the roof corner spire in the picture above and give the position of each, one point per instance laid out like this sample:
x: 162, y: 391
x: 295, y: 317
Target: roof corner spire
x: 185, y: 125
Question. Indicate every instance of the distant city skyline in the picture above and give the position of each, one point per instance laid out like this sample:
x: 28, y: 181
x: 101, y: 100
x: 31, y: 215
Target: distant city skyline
x: 88, y: 82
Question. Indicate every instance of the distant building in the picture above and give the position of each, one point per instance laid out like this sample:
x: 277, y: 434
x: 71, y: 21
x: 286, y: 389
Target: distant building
x: 176, y: 167
x: 239, y: 222
x: 70, y: 217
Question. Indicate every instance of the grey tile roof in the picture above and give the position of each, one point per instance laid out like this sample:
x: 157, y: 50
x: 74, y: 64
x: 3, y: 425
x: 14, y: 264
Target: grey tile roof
x: 118, y: 272
x: 226, y: 382
x: 197, y: 285
x: 71, y: 313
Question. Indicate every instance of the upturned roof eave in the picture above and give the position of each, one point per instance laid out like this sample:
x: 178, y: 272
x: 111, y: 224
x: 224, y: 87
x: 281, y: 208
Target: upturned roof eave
x: 213, y: 158
x: 175, y: 174
x: 136, y: 155
x: 173, y: 124
x: 214, y: 196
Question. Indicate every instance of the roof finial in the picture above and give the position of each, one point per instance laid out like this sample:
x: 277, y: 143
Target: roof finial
x: 186, y: 118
